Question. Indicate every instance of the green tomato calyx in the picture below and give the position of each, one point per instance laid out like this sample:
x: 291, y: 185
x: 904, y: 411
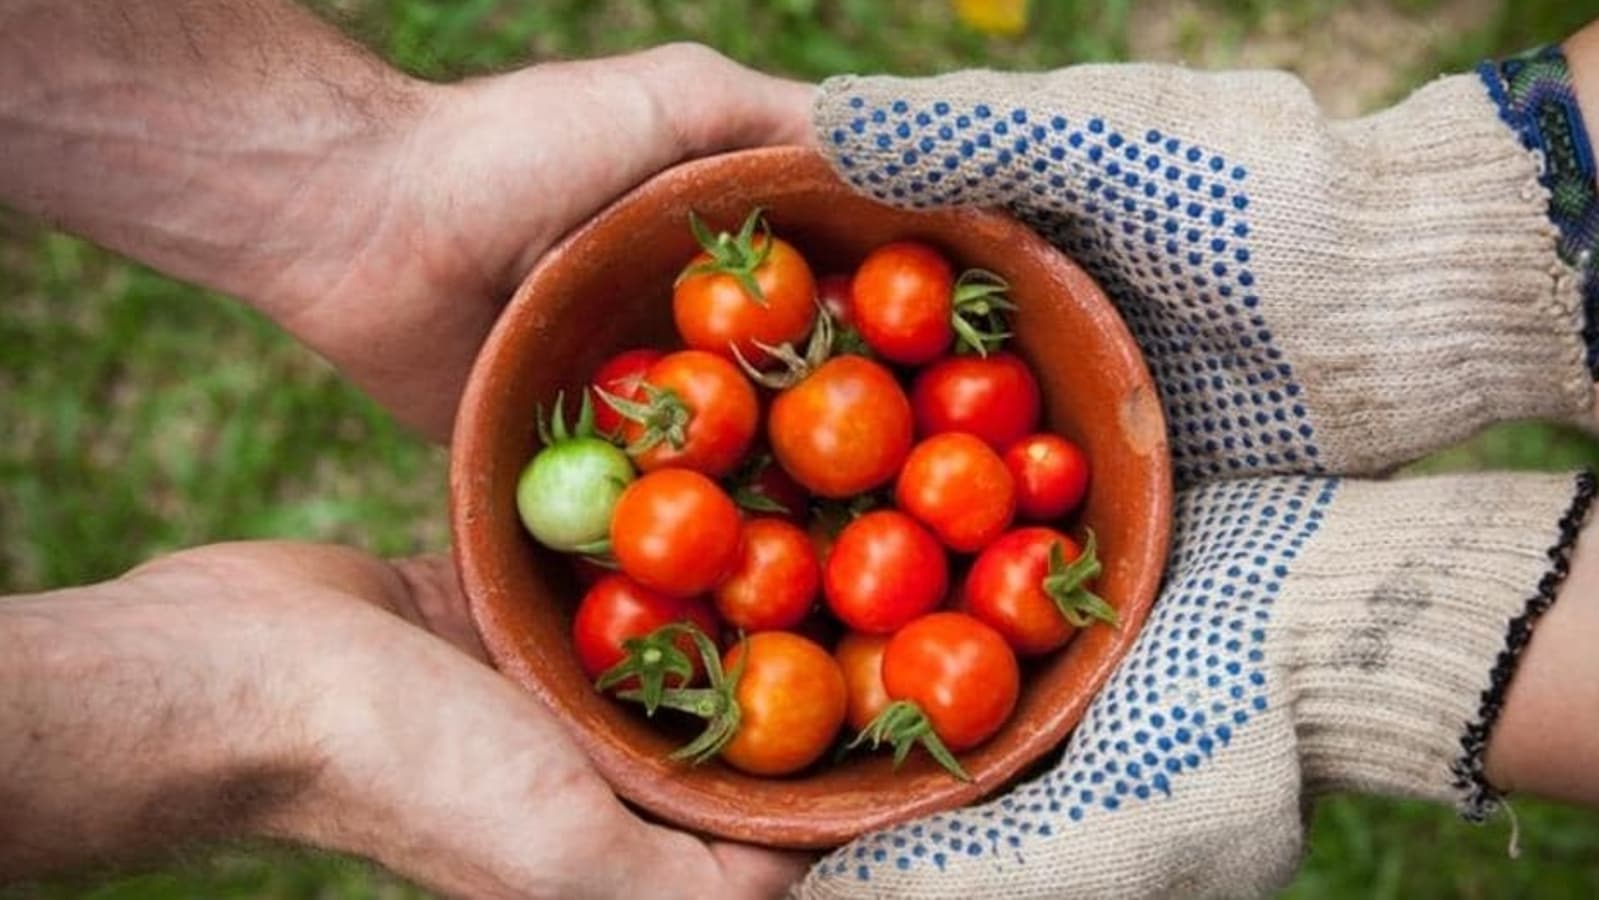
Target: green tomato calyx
x: 736, y: 255
x: 554, y: 431
x: 1067, y: 585
x: 793, y: 368
x: 835, y: 514
x: 848, y: 342
x: 651, y: 659
x: 663, y: 414
x: 747, y: 492
x: 979, y: 305
x: 904, y: 725
x: 715, y: 703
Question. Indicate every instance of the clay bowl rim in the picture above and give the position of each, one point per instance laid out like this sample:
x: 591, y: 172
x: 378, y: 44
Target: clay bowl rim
x: 672, y: 799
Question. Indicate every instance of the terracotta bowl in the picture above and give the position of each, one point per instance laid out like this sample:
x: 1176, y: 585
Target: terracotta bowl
x: 606, y: 287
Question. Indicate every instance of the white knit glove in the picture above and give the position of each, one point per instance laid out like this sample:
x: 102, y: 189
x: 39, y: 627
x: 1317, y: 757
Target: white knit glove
x: 1313, y: 635
x: 1311, y: 296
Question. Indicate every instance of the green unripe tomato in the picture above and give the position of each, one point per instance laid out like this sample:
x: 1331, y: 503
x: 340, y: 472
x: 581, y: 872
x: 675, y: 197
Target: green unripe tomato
x: 567, y: 492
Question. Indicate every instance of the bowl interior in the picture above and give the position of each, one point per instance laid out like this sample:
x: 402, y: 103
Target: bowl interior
x: 607, y: 287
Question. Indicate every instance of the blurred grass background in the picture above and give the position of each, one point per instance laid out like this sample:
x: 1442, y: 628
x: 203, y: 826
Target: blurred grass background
x: 141, y: 415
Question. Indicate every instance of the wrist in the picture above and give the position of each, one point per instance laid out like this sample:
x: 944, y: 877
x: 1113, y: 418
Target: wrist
x: 382, y: 256
x: 1544, y: 96
x: 336, y: 222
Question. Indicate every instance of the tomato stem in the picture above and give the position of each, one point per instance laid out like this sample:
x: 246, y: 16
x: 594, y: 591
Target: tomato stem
x: 903, y: 724
x: 553, y: 430
x: 737, y: 255
x: 651, y: 658
x: 716, y: 703
x: 795, y: 367
x: 1066, y: 584
x: 979, y: 305
x: 663, y: 414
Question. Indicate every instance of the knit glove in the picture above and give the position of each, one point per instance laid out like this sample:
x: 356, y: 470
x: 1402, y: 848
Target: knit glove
x: 1313, y: 635
x: 1311, y: 296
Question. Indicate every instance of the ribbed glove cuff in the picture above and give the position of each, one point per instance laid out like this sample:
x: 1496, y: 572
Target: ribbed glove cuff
x: 1404, y: 621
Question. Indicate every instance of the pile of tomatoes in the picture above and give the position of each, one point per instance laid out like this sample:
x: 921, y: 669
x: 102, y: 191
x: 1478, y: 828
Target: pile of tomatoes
x: 821, y: 456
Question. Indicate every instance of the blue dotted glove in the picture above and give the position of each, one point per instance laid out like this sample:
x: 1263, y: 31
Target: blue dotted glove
x: 1311, y: 296
x: 1270, y: 671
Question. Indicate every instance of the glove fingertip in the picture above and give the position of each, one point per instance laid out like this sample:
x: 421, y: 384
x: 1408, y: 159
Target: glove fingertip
x: 921, y: 142
x: 830, y: 112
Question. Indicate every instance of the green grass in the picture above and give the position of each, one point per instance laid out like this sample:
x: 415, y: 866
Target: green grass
x: 1515, y: 27
x: 142, y: 415
x: 277, y: 873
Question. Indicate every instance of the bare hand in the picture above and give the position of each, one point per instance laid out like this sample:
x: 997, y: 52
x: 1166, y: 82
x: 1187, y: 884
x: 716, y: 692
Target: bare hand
x: 494, y: 173
x: 293, y: 690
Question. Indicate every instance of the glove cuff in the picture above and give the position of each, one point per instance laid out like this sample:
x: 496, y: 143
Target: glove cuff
x: 1436, y: 303
x: 1415, y: 604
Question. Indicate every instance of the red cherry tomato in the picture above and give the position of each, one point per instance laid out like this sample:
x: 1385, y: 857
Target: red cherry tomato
x: 958, y: 671
x: 617, y: 608
x: 703, y: 415
x: 620, y: 376
x: 902, y: 298
x: 715, y: 310
x: 791, y: 701
x: 884, y: 570
x: 1051, y: 476
x: 1017, y: 589
x: 958, y: 487
x: 675, y: 531
x: 860, y: 656
x: 844, y: 429
x: 775, y: 580
x: 995, y: 398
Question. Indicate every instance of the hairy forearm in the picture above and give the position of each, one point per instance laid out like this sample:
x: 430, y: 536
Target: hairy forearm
x: 241, y: 144
x: 118, y: 739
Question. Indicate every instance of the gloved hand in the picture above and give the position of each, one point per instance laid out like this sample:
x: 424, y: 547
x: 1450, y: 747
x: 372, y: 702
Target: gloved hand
x: 1312, y: 296
x: 1313, y: 635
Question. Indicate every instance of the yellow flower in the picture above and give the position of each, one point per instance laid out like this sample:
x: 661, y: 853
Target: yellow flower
x: 1006, y: 17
